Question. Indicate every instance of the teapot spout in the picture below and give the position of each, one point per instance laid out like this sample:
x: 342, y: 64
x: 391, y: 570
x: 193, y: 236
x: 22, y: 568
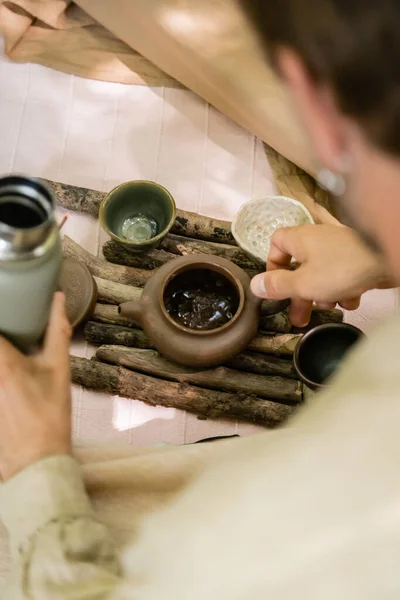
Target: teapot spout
x: 131, y: 310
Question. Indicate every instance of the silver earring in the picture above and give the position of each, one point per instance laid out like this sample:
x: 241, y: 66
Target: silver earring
x: 332, y: 182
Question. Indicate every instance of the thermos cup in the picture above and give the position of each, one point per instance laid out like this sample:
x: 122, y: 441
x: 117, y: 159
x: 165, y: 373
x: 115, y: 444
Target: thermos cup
x: 30, y: 259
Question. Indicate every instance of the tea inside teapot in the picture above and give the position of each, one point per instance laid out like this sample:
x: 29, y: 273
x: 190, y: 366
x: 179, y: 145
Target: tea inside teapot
x: 201, y: 299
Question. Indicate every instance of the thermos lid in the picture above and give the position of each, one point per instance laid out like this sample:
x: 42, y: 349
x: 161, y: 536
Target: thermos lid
x: 79, y: 287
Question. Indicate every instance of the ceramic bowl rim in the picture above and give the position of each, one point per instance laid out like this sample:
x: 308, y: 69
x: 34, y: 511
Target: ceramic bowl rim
x: 315, y: 330
x: 212, y: 266
x: 125, y: 242
x: 237, y: 237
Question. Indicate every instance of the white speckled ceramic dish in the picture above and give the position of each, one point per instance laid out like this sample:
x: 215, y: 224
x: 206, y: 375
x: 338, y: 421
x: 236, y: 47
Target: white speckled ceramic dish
x: 257, y: 221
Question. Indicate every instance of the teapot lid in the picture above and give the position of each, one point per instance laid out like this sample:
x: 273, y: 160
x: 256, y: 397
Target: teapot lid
x: 79, y: 287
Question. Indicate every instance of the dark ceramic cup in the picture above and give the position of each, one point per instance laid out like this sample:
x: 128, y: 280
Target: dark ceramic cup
x: 138, y: 214
x: 321, y: 351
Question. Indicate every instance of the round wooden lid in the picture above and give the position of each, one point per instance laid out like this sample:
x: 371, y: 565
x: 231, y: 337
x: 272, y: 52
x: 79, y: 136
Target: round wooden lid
x: 79, y: 287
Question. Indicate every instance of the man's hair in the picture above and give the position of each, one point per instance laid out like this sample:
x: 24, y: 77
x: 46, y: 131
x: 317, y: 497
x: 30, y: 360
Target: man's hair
x: 351, y: 45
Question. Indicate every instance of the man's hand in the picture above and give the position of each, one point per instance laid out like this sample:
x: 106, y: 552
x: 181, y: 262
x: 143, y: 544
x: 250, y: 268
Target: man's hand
x: 35, y: 398
x: 335, y: 267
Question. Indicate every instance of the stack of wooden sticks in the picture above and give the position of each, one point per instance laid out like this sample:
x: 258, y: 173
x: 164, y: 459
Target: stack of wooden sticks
x: 259, y: 385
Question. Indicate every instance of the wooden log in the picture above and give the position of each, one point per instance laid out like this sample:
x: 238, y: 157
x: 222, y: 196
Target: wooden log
x: 276, y: 323
x: 157, y: 392
x: 103, y: 333
x: 116, y: 293
x: 101, y: 268
x: 273, y: 307
x: 272, y: 317
x: 150, y: 362
x: 278, y: 344
x: 107, y: 313
x: 118, y: 255
x: 280, y: 323
x: 321, y: 317
x: 186, y: 223
x: 76, y: 198
x: 252, y: 362
x: 177, y: 244
x: 100, y: 334
x: 190, y: 224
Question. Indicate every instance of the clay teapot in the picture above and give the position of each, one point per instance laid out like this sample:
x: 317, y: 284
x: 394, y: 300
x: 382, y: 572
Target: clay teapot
x: 198, y: 310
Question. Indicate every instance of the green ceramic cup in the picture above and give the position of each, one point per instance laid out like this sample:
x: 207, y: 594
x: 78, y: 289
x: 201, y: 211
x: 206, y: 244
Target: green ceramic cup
x: 138, y: 214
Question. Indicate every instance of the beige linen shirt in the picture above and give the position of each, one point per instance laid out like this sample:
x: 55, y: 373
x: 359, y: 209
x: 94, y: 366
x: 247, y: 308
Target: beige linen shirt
x: 310, y: 511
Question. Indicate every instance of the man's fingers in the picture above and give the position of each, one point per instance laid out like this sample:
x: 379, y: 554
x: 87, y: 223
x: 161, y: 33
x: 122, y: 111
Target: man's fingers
x: 276, y: 285
x: 279, y: 285
x: 351, y: 304
x: 284, y: 246
x: 7, y: 349
x: 58, y: 334
x: 326, y: 305
x: 300, y: 312
x: 9, y: 357
x: 278, y: 257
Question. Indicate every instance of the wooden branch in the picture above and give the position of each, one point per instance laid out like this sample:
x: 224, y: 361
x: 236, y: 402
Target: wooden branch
x: 101, y: 268
x: 177, y: 244
x: 187, y: 223
x: 107, y: 313
x: 150, y: 362
x: 320, y: 317
x: 273, y: 307
x: 280, y: 323
x: 278, y: 344
x: 274, y: 316
x: 118, y: 255
x: 190, y: 224
x: 76, y: 198
x: 263, y: 364
x: 246, y: 361
x: 158, y: 392
x: 276, y: 323
x: 103, y: 333
x: 116, y: 293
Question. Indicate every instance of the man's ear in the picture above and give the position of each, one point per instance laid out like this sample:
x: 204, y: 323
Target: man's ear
x: 316, y: 108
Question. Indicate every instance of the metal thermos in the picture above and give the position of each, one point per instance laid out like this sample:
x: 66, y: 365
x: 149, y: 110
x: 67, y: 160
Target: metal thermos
x: 30, y: 259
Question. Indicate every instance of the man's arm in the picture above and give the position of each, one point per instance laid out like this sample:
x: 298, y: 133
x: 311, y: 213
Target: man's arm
x: 59, y: 549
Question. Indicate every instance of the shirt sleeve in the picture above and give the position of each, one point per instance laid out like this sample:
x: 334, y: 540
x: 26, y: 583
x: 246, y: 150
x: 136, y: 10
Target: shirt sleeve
x: 59, y: 549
